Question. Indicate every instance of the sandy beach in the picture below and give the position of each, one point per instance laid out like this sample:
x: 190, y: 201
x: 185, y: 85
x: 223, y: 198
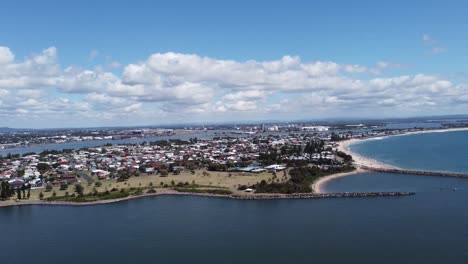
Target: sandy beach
x: 318, y: 185
x: 360, y: 161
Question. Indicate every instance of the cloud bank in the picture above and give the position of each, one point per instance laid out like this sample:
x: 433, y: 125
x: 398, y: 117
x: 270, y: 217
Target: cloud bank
x: 175, y: 87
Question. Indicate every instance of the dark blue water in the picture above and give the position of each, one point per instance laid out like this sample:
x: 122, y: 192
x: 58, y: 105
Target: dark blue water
x: 424, y: 228
x: 387, y: 182
x: 447, y: 151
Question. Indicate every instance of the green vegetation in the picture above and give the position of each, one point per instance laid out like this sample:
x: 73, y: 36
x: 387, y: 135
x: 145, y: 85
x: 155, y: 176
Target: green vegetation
x: 93, y: 196
x: 48, y: 188
x: 43, y: 167
x: 300, y: 180
x: 210, y: 191
x: 79, y: 189
x: 63, y: 186
x: 152, y: 190
x: 346, y: 157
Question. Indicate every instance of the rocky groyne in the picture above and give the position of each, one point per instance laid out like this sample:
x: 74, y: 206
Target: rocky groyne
x: 236, y: 197
x: 417, y: 172
x: 320, y: 195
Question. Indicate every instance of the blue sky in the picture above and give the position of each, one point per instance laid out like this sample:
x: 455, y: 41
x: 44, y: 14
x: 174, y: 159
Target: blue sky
x: 424, y: 41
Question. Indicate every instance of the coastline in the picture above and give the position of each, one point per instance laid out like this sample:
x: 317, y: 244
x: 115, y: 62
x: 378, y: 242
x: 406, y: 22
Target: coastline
x: 272, y: 196
x: 317, y: 185
x: 361, y: 162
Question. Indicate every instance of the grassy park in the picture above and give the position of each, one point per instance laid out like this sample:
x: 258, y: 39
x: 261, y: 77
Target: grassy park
x: 198, y: 181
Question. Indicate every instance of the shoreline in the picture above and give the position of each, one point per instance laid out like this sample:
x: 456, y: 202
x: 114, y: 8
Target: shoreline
x: 360, y: 162
x: 262, y: 197
x: 318, y: 184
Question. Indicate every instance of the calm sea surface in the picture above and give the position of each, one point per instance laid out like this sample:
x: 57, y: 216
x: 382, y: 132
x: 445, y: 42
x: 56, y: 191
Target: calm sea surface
x: 445, y: 151
x: 429, y: 227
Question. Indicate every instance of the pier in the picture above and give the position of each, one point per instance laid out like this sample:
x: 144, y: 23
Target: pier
x: 417, y: 172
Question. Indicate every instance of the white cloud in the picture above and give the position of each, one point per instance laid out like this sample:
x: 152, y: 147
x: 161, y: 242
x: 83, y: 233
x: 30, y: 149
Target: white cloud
x: 6, y: 56
x: 245, y: 95
x: 240, y: 106
x: 184, y: 86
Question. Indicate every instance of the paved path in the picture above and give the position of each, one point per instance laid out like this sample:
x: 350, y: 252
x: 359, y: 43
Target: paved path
x: 85, y: 176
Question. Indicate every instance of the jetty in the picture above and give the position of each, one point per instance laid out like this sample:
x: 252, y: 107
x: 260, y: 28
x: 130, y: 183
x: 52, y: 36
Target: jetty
x: 417, y: 172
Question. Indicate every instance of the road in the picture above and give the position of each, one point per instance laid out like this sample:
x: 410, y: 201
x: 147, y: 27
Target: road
x: 85, y: 176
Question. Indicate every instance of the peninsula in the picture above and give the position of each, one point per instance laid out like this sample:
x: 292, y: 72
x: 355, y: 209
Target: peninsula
x: 256, y: 166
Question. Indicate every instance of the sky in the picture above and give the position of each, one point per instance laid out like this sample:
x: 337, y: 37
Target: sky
x: 127, y: 63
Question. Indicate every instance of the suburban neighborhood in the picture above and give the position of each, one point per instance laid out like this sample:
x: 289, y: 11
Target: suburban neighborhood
x: 163, y: 161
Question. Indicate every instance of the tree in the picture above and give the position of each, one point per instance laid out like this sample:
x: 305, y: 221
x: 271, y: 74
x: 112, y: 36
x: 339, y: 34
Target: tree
x: 79, y: 189
x: 23, y: 190
x: 335, y: 137
x: 48, y: 188
x: 43, y: 167
x: 4, y: 190
x: 63, y: 186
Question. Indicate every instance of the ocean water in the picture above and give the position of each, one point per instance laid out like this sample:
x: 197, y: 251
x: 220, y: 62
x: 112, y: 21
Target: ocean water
x: 443, y: 151
x: 424, y: 228
x: 388, y: 182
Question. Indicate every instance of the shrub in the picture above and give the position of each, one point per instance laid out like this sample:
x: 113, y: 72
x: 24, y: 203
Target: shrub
x: 152, y: 190
x: 49, y: 188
